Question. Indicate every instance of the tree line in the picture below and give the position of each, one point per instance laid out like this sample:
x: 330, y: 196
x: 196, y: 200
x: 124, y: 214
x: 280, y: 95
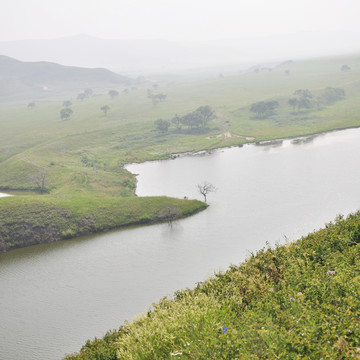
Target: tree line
x: 302, y: 99
x: 197, y: 119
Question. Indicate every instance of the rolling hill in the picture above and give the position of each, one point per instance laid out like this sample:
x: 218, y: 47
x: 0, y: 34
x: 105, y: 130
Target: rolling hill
x: 31, y: 80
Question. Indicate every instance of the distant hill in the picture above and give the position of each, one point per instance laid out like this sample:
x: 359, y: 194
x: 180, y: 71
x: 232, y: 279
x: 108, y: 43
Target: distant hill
x: 20, y: 79
x: 144, y: 57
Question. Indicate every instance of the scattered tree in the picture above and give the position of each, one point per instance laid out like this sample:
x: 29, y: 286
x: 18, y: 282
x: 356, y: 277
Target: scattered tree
x: 31, y: 105
x: 205, y: 188
x: 264, y: 109
x: 162, y: 125
x: 293, y: 102
x: 67, y: 103
x: 331, y: 95
x: 113, y: 93
x: 65, y: 113
x: 88, y: 92
x: 81, y: 97
x: 196, y: 119
x: 205, y: 114
x: 40, y: 180
x: 176, y: 120
x: 345, y: 68
x: 303, y: 99
x: 155, y: 98
x: 105, y: 109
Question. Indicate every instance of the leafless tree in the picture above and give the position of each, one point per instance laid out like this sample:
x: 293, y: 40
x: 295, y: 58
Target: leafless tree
x: 205, y: 188
x: 170, y: 213
x: 40, y: 180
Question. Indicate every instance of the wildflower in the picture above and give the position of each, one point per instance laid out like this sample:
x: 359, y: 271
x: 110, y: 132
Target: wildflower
x: 271, y: 289
x: 176, y: 353
x: 224, y: 329
x: 292, y: 299
x: 330, y: 272
x: 300, y: 293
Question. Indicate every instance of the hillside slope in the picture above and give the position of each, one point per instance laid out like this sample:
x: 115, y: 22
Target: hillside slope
x: 299, y: 301
x: 22, y: 78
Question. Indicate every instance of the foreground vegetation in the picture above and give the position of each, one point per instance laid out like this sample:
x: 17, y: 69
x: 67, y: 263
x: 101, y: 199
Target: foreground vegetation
x: 72, y: 150
x: 299, y: 301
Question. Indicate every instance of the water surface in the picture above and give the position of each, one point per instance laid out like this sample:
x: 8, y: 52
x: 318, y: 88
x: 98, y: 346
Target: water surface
x: 54, y: 297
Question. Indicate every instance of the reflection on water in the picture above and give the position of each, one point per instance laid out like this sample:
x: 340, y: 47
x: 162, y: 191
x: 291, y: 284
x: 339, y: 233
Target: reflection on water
x: 56, y: 296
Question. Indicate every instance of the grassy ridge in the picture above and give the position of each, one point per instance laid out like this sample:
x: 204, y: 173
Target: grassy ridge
x: 29, y: 220
x: 300, y: 301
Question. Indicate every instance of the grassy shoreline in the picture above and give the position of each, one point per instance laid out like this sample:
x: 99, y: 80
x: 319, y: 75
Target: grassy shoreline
x: 295, y: 301
x: 28, y: 220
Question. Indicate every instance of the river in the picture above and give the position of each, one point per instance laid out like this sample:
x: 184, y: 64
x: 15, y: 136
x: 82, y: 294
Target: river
x: 53, y: 297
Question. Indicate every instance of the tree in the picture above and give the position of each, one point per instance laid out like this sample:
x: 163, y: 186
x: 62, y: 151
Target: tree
x: 88, y: 92
x: 205, y: 113
x: 105, y: 109
x: 170, y: 213
x: 65, y: 113
x: 155, y: 98
x: 345, y: 68
x: 264, y: 109
x: 303, y: 99
x: 67, y: 103
x: 176, y: 120
x: 293, y: 102
x: 162, y: 125
x: 113, y: 93
x: 40, y: 180
x: 205, y: 188
x: 31, y: 105
x: 81, y: 97
x: 331, y: 95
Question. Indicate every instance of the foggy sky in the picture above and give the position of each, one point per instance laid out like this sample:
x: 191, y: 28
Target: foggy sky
x: 174, y: 19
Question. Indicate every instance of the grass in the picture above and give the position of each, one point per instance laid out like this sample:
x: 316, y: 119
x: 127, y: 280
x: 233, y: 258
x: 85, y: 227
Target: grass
x: 29, y: 220
x: 299, y: 301
x: 84, y: 156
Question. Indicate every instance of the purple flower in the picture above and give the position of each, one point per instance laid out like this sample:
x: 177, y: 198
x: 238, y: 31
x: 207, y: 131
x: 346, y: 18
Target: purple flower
x: 299, y: 293
x: 224, y: 329
x: 292, y: 299
x: 271, y: 289
x: 329, y: 272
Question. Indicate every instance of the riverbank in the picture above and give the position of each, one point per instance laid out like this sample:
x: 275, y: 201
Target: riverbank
x: 29, y: 220
x: 301, y: 299
x: 83, y: 157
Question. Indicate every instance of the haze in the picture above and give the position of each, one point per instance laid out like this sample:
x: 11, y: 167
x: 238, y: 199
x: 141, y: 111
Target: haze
x: 159, y: 33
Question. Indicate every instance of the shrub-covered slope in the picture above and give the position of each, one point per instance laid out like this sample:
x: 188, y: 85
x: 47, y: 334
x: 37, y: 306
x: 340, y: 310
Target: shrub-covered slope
x: 299, y: 301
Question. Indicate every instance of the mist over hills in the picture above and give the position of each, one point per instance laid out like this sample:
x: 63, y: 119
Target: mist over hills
x: 139, y: 57
x: 19, y: 79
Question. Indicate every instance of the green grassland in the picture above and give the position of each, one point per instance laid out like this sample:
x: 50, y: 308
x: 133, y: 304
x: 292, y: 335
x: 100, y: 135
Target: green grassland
x: 83, y: 156
x: 299, y: 301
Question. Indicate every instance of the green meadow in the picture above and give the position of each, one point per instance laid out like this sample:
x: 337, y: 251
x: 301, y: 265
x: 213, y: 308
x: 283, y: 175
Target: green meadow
x: 81, y: 158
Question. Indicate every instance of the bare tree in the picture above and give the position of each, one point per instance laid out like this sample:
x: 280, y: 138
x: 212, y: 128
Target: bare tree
x: 170, y: 213
x: 205, y: 188
x: 40, y: 180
